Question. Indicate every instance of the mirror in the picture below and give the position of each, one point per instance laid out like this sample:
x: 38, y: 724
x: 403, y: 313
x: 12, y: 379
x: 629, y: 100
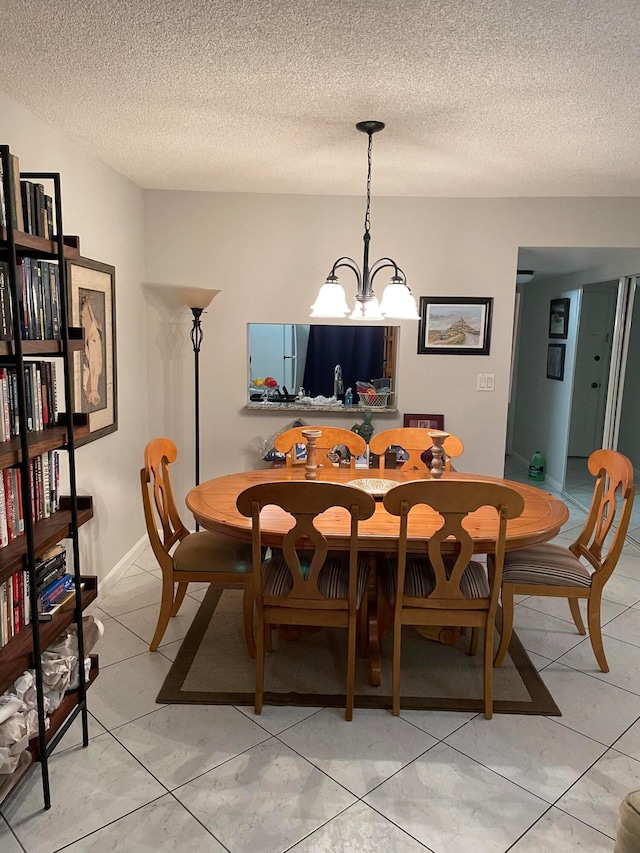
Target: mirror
x: 288, y: 356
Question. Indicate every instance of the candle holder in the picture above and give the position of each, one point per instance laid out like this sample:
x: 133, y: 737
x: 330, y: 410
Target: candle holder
x: 310, y: 466
x: 437, y: 465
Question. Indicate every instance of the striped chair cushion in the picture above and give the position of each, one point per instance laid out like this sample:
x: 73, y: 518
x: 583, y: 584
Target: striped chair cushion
x: 333, y: 579
x: 545, y: 564
x: 420, y: 579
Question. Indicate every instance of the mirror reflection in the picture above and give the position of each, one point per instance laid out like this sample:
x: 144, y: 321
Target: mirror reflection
x: 321, y: 359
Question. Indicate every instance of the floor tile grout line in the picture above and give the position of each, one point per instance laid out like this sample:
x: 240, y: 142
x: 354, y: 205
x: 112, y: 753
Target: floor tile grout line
x: 109, y: 823
x: 558, y: 722
x: 595, y: 828
x: 570, y: 621
x: 11, y: 832
x: 286, y: 728
x: 520, y: 837
x: 397, y: 825
x: 197, y: 819
x: 457, y: 729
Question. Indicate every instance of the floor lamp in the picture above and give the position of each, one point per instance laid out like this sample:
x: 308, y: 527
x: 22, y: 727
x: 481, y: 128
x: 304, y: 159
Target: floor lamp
x: 197, y: 299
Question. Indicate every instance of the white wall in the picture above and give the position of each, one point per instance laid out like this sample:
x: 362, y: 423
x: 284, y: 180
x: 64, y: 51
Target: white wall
x: 269, y: 254
x: 106, y: 210
x: 629, y: 437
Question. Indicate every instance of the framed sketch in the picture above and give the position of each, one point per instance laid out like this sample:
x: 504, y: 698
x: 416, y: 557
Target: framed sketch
x: 555, y: 361
x: 455, y: 326
x: 559, y: 318
x: 424, y: 421
x: 91, y: 288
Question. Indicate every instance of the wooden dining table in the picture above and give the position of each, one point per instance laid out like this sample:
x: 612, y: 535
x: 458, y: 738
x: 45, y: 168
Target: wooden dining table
x: 213, y: 504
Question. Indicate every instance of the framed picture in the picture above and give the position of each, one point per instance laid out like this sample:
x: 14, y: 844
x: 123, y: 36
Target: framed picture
x: 91, y: 288
x: 424, y: 421
x: 555, y: 361
x: 559, y: 318
x: 455, y: 326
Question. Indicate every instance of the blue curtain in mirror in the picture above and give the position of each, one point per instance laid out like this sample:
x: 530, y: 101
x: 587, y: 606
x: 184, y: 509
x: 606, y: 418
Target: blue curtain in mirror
x: 359, y: 350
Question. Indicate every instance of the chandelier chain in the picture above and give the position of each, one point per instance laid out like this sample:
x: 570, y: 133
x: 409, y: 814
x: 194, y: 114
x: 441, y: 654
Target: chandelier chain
x: 367, y: 215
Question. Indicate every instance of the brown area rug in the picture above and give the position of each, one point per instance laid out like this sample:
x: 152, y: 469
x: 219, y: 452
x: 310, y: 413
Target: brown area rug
x: 213, y: 668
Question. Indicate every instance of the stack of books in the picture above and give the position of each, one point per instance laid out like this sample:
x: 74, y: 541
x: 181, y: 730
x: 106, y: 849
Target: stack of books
x: 53, y: 584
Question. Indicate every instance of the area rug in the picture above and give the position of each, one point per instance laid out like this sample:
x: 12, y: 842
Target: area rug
x: 213, y: 668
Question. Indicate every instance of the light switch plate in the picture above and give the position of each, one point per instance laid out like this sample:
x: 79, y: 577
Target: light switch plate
x: 486, y: 382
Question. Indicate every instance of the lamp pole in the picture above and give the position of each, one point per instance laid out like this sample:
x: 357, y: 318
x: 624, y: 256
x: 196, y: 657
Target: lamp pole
x: 196, y: 340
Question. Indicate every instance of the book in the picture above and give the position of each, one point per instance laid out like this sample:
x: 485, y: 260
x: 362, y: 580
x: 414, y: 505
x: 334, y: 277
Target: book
x: 48, y: 614
x: 4, y: 534
x: 14, y: 177
x: 26, y: 201
x: 54, y: 592
x: 6, y: 331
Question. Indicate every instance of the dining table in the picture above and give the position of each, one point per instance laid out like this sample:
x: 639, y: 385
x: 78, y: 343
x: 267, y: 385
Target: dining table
x: 213, y: 504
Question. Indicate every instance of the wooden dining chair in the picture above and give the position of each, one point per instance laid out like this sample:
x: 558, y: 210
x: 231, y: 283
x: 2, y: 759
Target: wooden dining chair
x: 554, y: 570
x: 186, y: 557
x: 305, y: 583
x: 415, y: 440
x: 443, y: 588
x: 330, y: 438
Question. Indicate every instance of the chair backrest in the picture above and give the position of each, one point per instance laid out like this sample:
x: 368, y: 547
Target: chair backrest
x: 415, y: 440
x: 305, y: 500
x: 331, y: 436
x: 158, y: 501
x: 453, y: 500
x: 613, y: 497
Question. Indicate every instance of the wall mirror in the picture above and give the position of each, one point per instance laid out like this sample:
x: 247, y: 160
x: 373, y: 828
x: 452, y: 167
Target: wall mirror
x: 285, y: 357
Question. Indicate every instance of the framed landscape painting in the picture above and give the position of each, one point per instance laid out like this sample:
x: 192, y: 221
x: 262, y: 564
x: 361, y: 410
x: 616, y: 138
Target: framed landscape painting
x: 91, y: 288
x: 455, y: 326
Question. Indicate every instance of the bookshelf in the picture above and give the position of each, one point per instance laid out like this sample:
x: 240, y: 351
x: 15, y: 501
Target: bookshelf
x: 45, y: 519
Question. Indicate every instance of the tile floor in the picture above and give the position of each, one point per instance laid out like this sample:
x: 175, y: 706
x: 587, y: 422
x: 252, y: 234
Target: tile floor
x: 191, y: 778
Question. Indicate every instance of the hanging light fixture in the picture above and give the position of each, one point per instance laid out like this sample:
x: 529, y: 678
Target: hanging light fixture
x: 397, y: 300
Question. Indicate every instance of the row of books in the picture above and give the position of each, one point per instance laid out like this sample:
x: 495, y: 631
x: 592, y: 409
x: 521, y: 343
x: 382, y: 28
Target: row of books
x: 44, y: 481
x: 40, y: 390
x: 53, y: 586
x: 39, y: 309
x: 33, y: 213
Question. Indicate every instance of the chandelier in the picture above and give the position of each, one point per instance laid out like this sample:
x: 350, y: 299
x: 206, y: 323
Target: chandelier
x: 397, y: 300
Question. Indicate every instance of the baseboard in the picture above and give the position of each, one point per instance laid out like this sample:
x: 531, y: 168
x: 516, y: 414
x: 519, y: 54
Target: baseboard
x: 121, y: 567
x: 518, y: 458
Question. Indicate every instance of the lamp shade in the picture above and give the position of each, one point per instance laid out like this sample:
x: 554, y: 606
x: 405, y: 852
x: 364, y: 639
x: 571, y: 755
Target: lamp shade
x: 367, y: 309
x: 197, y: 297
x: 398, y: 303
x: 331, y: 301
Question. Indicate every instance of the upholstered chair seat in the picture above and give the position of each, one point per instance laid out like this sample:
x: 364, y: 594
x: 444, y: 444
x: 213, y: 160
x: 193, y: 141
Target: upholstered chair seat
x: 420, y: 578
x: 545, y: 564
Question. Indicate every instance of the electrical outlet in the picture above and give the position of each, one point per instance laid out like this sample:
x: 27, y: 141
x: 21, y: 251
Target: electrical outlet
x: 486, y: 382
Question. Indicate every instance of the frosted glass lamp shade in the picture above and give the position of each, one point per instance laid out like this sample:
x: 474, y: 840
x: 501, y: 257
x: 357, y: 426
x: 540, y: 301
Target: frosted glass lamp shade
x: 197, y: 297
x: 367, y: 309
x: 331, y: 301
x: 398, y: 303
x: 524, y: 276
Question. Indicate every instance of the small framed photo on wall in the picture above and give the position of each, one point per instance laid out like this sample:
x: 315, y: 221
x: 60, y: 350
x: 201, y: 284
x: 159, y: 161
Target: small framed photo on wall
x: 555, y: 361
x: 424, y: 421
x: 559, y: 318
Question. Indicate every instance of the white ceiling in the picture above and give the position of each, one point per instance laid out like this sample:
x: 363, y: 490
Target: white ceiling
x: 491, y: 98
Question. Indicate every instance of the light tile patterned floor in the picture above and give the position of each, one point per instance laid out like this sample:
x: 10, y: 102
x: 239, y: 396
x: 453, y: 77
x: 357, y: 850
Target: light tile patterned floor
x: 186, y: 778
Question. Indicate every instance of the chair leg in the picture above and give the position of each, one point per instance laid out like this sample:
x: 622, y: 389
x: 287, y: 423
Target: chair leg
x: 180, y: 594
x: 260, y: 637
x: 247, y: 618
x: 488, y: 671
x: 166, y: 606
x: 473, y: 643
x: 351, y: 666
x: 574, y: 604
x: 397, y: 640
x: 507, y: 622
x: 595, y: 634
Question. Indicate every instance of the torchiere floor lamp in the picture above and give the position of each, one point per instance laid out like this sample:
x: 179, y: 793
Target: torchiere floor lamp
x: 197, y: 298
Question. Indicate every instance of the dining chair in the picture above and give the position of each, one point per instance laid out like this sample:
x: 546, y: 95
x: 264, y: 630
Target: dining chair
x: 201, y: 557
x: 554, y: 570
x: 415, y: 440
x: 330, y: 438
x: 305, y: 583
x: 446, y: 587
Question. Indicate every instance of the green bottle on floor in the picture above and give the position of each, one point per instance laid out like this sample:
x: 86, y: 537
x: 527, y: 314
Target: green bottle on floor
x: 537, y: 466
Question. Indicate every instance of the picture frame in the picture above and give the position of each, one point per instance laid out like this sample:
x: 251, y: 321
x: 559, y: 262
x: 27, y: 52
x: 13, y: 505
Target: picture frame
x: 559, y: 318
x: 423, y: 421
x: 91, y: 289
x: 455, y: 325
x: 555, y: 361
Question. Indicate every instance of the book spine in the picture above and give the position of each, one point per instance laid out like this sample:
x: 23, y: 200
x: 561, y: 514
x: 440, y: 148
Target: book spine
x: 5, y: 404
x: 18, y: 501
x: 37, y: 409
x: 9, y: 500
x: 9, y: 611
x: 6, y: 333
x: 46, y: 485
x: 25, y: 196
x: 3, y: 615
x: 49, y: 206
x: 27, y: 597
x: 3, y: 209
x: 46, y: 299
x: 55, y: 301
x: 15, y: 581
x: 28, y: 389
x: 14, y: 166
x: 4, y: 533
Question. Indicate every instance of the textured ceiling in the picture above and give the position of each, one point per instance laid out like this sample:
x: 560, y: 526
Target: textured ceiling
x: 491, y: 98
